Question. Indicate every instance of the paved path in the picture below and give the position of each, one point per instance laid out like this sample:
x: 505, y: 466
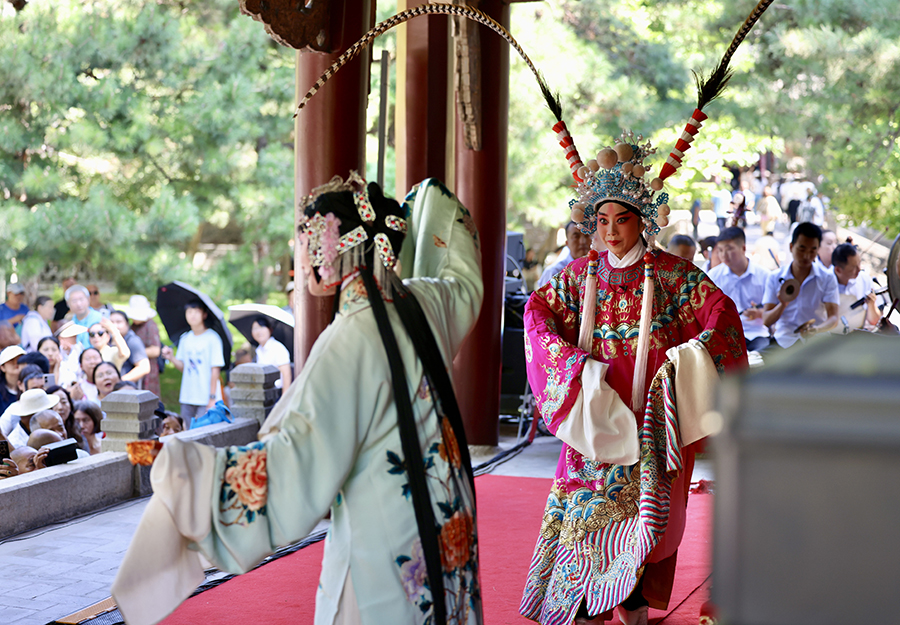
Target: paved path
x: 60, y: 569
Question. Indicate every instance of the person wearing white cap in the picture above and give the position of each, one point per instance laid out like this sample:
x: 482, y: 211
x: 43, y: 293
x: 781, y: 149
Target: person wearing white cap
x: 141, y: 315
x: 13, y: 310
x: 9, y: 366
x: 289, y: 289
x: 15, y: 422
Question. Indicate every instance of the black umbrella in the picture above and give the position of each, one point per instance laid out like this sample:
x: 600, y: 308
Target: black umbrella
x: 242, y: 316
x: 170, y: 301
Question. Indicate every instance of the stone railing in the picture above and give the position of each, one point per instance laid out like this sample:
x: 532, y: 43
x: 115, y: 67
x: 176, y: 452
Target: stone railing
x: 254, y: 391
x: 65, y: 491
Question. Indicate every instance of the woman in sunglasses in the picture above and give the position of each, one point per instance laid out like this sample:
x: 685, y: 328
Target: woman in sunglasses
x: 106, y: 338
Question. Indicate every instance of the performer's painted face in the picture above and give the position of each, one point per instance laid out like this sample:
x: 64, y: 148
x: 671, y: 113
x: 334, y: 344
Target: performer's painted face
x: 618, y: 228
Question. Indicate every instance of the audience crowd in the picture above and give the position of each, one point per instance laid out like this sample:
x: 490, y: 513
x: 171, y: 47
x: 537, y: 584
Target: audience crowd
x: 60, y: 360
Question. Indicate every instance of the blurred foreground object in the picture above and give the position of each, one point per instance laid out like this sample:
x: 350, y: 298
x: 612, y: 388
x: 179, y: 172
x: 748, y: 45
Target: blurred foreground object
x: 806, y: 510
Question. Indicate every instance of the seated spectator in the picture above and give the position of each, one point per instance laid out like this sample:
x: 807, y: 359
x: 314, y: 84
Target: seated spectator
x: 801, y: 317
x: 96, y: 304
x: 8, y: 335
x: 30, y: 376
x: 70, y: 351
x: 37, y: 359
x: 270, y: 351
x: 24, y: 458
x: 41, y: 436
x: 853, y: 285
x: 48, y: 347
x: 34, y: 325
x: 578, y: 244
x: 10, y: 367
x: 88, y: 416
x: 61, y: 309
x: 13, y: 310
x: 148, y: 332
x: 105, y: 337
x: 242, y: 356
x: 745, y: 283
x: 289, y: 289
x: 87, y: 362
x: 106, y: 376
x: 8, y: 467
x: 683, y: 246
x: 829, y: 242
x: 710, y: 253
x: 137, y: 365
x: 16, y: 421
x: 66, y: 411
x: 769, y: 211
x: 77, y: 297
x: 172, y: 424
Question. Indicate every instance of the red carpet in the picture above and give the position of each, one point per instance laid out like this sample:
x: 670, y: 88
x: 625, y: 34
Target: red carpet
x: 509, y: 517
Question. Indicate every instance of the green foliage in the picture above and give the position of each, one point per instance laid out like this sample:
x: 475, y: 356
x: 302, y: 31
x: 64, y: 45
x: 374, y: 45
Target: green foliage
x: 129, y: 130
x: 817, y: 83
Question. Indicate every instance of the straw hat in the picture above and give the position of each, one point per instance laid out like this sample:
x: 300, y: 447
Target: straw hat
x: 139, y: 309
x: 32, y: 401
x: 13, y: 351
x: 70, y: 329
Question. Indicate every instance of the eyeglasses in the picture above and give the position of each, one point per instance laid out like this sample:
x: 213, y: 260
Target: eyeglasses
x: 99, y: 333
x: 94, y: 292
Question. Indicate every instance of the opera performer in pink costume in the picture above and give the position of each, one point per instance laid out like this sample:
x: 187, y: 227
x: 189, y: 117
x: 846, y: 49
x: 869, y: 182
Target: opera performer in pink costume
x: 624, y: 349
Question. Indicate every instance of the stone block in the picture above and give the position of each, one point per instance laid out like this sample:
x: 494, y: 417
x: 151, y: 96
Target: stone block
x: 141, y: 404
x: 252, y: 373
x: 268, y: 396
x: 131, y: 427
x: 254, y: 411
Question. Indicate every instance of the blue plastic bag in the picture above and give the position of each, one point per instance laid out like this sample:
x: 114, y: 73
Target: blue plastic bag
x: 216, y: 414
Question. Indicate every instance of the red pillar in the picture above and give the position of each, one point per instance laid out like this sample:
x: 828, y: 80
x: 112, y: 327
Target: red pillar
x: 422, y: 115
x: 481, y: 186
x: 329, y: 140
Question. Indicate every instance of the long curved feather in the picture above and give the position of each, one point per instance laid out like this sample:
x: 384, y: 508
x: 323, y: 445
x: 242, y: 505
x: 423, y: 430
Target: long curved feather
x: 708, y: 89
x: 432, y: 9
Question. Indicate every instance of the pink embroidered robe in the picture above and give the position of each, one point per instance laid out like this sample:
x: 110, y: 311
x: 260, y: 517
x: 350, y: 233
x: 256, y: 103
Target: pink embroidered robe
x: 603, y: 522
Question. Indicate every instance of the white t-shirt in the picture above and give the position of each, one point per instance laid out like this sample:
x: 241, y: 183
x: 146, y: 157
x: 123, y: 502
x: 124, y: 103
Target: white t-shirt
x: 273, y: 353
x: 199, y: 353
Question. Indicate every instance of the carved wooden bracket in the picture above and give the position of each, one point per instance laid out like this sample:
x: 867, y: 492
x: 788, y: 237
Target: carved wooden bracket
x: 293, y: 23
x: 467, y: 40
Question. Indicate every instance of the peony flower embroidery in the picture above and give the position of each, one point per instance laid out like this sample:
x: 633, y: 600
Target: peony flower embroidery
x: 449, y: 448
x: 249, y: 479
x: 413, y: 573
x: 456, y: 541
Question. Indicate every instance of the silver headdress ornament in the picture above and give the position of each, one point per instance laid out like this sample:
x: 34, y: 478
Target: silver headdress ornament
x: 333, y: 254
x: 617, y: 175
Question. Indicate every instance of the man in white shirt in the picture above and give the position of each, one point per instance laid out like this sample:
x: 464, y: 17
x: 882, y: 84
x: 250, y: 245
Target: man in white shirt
x: 854, y: 286
x: 578, y: 244
x: 745, y: 283
x: 801, y: 317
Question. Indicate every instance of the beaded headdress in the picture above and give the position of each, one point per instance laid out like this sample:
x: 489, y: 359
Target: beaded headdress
x: 617, y: 174
x: 334, y: 254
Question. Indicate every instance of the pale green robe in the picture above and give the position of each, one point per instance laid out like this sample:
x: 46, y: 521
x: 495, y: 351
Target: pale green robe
x: 332, y: 442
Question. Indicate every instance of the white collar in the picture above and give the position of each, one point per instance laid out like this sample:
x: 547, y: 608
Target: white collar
x: 633, y: 256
